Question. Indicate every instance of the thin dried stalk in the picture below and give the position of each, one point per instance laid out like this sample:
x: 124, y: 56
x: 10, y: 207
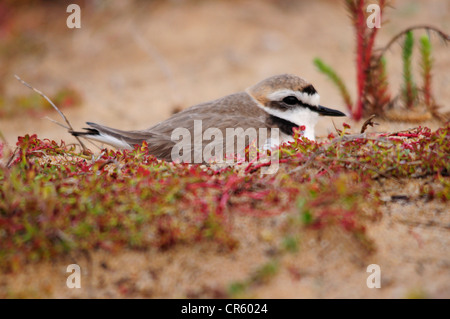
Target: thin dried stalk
x: 54, y: 106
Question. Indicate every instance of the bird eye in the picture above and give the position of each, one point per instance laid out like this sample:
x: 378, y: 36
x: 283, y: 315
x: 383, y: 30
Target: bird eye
x: 291, y: 100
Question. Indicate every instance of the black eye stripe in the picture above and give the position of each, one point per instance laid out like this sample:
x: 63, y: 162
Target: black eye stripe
x: 285, y: 105
x: 291, y: 100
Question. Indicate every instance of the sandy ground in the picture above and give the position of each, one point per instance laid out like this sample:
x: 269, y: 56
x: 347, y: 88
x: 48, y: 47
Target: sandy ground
x: 135, y: 62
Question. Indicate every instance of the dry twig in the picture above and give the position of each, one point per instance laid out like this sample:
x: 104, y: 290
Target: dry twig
x: 54, y: 106
x: 368, y: 122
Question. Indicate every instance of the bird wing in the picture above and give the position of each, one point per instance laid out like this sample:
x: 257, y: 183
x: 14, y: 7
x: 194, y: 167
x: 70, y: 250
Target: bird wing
x: 232, y: 111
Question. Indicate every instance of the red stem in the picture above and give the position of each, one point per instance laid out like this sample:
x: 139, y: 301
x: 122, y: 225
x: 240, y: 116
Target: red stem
x: 360, y: 59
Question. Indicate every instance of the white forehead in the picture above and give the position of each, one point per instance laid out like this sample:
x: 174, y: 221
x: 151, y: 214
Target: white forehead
x: 311, y: 99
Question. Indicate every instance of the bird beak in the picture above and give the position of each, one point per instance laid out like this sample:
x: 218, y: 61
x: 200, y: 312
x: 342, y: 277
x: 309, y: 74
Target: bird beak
x: 324, y: 111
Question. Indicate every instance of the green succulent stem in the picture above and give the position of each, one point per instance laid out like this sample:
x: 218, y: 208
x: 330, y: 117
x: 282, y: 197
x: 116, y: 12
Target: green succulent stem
x: 409, y: 87
x: 426, y: 66
x: 336, y: 79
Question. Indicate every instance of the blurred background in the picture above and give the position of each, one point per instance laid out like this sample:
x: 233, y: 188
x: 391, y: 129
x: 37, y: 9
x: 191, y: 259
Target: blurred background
x: 133, y: 63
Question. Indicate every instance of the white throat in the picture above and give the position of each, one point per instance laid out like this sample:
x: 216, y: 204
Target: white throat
x: 299, y: 116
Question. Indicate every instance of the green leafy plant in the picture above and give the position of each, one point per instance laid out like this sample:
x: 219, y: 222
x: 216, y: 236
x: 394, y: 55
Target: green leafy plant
x: 373, y: 92
x: 409, y: 90
x: 426, y: 66
x: 332, y: 75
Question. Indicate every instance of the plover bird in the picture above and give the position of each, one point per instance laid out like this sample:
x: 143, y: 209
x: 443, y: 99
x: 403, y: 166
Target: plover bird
x: 283, y: 101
